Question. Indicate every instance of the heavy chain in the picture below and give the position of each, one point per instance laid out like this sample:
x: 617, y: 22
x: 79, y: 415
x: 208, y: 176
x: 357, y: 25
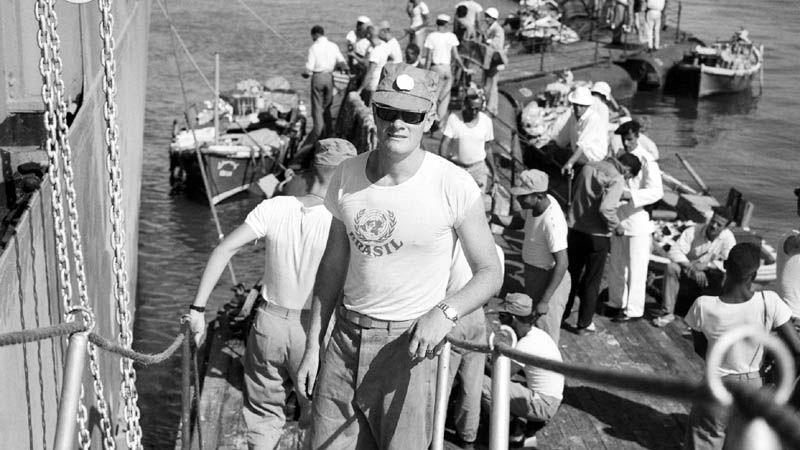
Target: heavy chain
x: 133, y: 431
x: 44, y: 13
x: 61, y: 142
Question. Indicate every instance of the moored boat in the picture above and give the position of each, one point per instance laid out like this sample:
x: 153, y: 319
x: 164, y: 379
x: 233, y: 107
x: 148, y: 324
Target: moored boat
x: 720, y: 68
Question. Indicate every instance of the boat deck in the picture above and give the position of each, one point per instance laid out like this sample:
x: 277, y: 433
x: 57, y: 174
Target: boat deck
x: 591, y: 416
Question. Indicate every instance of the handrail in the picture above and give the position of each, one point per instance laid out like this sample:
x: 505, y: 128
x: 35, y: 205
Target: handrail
x: 755, y: 404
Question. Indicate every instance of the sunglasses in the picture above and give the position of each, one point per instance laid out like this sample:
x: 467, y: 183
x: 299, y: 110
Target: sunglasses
x: 391, y: 114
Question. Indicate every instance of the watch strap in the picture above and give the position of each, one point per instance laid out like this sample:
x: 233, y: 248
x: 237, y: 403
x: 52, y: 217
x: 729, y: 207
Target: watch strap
x: 197, y: 308
x: 448, y: 311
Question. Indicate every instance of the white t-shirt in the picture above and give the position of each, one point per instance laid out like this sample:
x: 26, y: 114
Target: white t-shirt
x: 712, y: 317
x: 538, y: 343
x: 471, y: 138
x: 441, y: 44
x: 362, y: 46
x: 544, y: 235
x: 461, y: 272
x: 351, y: 37
x: 294, y: 239
x: 789, y: 275
x: 401, y: 237
x: 417, y: 13
x: 388, y: 51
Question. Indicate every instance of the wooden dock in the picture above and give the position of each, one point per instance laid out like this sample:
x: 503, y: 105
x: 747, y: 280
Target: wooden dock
x: 592, y: 416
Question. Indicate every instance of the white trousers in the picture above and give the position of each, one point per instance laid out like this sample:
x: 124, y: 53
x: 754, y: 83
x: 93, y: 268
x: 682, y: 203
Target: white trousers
x: 653, y: 28
x: 627, y: 273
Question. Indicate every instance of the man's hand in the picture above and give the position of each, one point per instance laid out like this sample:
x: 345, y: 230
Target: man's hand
x: 541, y: 309
x: 619, y: 231
x: 626, y: 195
x: 305, y: 74
x: 700, y: 278
x: 567, y: 170
x: 427, y: 334
x: 307, y: 372
x: 197, y: 323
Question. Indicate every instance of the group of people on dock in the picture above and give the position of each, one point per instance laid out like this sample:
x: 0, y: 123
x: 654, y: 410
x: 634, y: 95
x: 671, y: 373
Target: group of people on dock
x: 387, y: 252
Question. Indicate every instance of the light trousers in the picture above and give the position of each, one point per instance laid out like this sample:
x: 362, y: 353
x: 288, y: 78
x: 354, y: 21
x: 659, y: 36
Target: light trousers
x: 275, y: 348
x: 445, y: 86
x: 627, y: 273
x: 653, y: 28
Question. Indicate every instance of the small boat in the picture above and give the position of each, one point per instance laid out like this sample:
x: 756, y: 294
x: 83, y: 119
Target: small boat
x: 260, y: 126
x: 720, y: 68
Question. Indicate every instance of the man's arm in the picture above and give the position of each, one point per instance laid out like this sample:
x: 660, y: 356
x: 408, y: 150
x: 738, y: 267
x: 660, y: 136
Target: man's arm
x: 369, y: 74
x: 788, y: 335
x: 327, y: 289
x: 514, y: 222
x: 652, y: 189
x: 700, y: 343
x: 678, y: 251
x: 310, y: 61
x: 610, y: 202
x: 429, y: 330
x: 444, y: 146
x: 457, y: 57
x: 428, y: 59
x: 219, y: 258
x: 556, y: 275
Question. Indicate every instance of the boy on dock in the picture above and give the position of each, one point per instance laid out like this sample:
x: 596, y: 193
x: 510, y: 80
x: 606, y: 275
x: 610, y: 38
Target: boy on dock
x: 295, y: 230
x: 397, y: 212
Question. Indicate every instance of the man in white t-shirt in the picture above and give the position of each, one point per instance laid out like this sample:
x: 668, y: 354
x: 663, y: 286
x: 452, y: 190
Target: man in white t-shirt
x: 630, y: 250
x: 471, y: 130
x: 536, y: 401
x: 467, y: 21
x: 789, y: 268
x: 397, y: 212
x: 385, y: 49
x: 295, y: 231
x: 468, y: 365
x: 544, y: 250
x: 441, y: 49
x: 710, y: 317
x: 693, y: 269
x: 418, y: 13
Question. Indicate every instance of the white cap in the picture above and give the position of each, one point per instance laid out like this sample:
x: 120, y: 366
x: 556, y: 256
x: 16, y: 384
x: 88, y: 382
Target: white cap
x: 580, y: 96
x: 602, y: 88
x: 363, y: 19
x: 492, y: 12
x: 443, y: 18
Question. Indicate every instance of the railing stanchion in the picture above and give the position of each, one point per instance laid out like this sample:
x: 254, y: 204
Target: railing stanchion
x: 440, y: 410
x: 71, y: 391
x: 501, y: 413
x: 186, y: 386
x: 678, y: 25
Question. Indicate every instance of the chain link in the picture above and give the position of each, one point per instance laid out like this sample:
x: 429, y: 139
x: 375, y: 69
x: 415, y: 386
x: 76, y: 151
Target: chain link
x: 51, y: 67
x: 133, y: 431
x: 44, y: 14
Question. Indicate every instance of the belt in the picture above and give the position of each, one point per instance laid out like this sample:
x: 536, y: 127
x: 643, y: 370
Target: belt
x: 743, y: 376
x: 364, y: 321
x: 279, y: 311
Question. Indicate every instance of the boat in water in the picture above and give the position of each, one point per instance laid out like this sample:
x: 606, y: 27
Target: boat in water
x: 256, y: 128
x: 723, y: 67
x: 76, y: 73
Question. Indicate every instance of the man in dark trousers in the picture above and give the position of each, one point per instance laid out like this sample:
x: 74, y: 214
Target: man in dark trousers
x: 592, y: 219
x: 323, y: 57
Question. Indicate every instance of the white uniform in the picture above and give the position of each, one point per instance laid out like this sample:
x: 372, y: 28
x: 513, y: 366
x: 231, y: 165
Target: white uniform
x: 630, y: 253
x: 789, y: 275
x: 588, y: 133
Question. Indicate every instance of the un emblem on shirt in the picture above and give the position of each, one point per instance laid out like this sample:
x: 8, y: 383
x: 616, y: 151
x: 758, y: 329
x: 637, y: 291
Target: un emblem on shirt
x: 372, y: 232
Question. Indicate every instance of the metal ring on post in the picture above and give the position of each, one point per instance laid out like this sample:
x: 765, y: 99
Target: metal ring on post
x: 503, y: 329
x: 87, y: 314
x: 726, y: 341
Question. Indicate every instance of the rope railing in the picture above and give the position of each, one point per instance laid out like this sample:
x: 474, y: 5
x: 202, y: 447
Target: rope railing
x: 752, y: 403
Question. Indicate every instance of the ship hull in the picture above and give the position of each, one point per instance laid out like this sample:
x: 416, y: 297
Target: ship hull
x: 29, y: 286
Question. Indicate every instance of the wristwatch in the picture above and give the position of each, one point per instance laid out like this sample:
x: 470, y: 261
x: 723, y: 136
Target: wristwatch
x: 197, y: 308
x: 448, y: 312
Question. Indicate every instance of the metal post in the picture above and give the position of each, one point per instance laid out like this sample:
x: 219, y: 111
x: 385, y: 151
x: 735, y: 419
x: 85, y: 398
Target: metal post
x: 186, y: 386
x: 501, y: 413
x: 542, y: 49
x: 216, y: 98
x: 678, y: 25
x: 440, y: 411
x: 71, y: 391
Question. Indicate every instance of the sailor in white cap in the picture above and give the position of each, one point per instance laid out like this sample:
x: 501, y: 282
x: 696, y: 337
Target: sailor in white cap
x: 386, y: 49
x: 359, y: 44
x: 601, y: 92
x: 496, y: 39
x: 418, y: 13
x: 441, y: 49
x: 586, y: 133
x: 362, y: 22
x: 397, y: 213
x: 466, y: 24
